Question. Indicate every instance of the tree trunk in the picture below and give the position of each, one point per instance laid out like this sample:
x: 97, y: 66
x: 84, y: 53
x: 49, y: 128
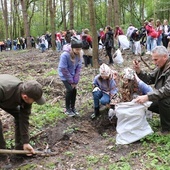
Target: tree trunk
x: 116, y: 12
x: 142, y: 5
x: 64, y: 15
x: 46, y: 17
x: 26, y: 23
x: 11, y: 24
x: 5, y: 15
x: 52, y: 9
x: 71, y: 14
x: 94, y: 32
x: 109, y: 13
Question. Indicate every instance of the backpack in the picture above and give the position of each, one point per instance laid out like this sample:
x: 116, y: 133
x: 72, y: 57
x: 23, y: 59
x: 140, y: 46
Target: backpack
x: 110, y: 43
x: 85, y: 44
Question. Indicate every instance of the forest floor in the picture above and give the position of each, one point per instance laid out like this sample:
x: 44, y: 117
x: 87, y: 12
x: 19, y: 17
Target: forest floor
x: 79, y: 142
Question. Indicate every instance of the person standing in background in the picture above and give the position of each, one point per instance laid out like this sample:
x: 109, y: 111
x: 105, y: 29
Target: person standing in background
x: 109, y: 43
x: 166, y: 31
x: 69, y: 69
x: 159, y: 29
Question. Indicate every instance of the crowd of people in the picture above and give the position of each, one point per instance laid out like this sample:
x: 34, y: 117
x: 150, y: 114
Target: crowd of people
x: 150, y: 34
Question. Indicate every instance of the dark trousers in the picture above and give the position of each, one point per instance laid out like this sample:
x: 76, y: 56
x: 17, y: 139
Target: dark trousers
x: 109, y: 54
x: 15, y: 113
x: 165, y: 41
x: 2, y: 140
x: 162, y: 107
x: 87, y: 60
x: 70, y: 97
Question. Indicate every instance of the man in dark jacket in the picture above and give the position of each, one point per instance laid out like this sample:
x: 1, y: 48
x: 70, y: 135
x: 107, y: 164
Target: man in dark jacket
x: 161, y: 80
x: 16, y: 98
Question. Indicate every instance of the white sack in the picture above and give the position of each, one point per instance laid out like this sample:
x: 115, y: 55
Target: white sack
x: 137, y: 47
x: 131, y: 124
x: 124, y: 42
x: 46, y: 44
x: 117, y: 57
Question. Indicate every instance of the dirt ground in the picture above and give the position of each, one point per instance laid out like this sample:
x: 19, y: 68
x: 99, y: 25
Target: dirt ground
x: 85, y: 144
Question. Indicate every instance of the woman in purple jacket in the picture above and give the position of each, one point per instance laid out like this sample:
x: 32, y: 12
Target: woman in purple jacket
x: 69, y: 71
x: 105, y: 89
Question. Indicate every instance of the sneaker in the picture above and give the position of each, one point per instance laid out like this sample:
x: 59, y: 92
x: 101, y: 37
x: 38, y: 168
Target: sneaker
x: 111, y: 113
x: 75, y: 111
x: 148, y: 52
x: 93, y: 116
x: 69, y: 113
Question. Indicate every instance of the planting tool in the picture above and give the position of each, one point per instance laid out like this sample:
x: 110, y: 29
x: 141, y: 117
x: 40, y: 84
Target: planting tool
x: 47, y: 151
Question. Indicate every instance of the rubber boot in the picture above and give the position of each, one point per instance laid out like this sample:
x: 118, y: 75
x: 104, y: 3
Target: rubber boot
x: 96, y: 113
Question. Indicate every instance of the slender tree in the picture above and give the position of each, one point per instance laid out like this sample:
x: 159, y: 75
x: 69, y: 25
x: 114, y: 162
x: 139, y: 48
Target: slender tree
x: 5, y: 16
x: 94, y: 32
x: 46, y: 15
x: 71, y: 14
x: 64, y: 15
x: 117, y: 14
x: 26, y: 22
x: 52, y: 9
x: 109, y: 13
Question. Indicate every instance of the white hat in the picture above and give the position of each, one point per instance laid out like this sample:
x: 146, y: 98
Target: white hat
x: 129, y: 74
x: 105, y: 70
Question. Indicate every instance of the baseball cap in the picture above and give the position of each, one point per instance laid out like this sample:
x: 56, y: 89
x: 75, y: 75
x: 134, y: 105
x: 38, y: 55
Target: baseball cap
x: 33, y: 89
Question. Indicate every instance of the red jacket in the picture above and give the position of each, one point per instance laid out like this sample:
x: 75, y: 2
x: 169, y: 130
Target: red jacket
x: 151, y: 31
x: 118, y: 32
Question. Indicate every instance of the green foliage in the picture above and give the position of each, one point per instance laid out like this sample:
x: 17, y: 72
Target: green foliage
x: 50, y: 165
x: 105, y: 159
x: 40, y: 19
x: 69, y: 154
x: 71, y: 129
x: 51, y: 73
x: 45, y: 114
x: 92, y: 159
x: 123, y: 165
x: 27, y: 167
x: 10, y: 142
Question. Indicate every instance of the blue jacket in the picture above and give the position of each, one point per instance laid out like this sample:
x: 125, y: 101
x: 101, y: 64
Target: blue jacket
x: 144, y: 88
x: 107, y: 86
x: 69, y: 70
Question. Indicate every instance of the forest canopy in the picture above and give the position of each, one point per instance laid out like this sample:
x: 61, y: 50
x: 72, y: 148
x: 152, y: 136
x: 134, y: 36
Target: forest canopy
x: 23, y: 17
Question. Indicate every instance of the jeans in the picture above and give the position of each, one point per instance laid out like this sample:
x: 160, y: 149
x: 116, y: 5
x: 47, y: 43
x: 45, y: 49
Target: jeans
x: 70, y: 97
x: 100, y: 97
x: 151, y: 43
x: 162, y: 107
x: 159, y: 40
x: 58, y: 43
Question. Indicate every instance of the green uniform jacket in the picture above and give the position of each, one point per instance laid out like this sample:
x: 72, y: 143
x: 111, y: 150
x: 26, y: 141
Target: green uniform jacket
x: 10, y: 98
